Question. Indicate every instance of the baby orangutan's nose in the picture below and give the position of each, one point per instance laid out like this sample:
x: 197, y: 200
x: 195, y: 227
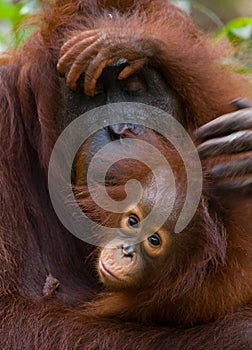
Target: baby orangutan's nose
x: 129, y: 250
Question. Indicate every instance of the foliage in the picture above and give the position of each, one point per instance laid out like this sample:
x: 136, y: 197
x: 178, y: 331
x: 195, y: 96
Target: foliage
x: 11, y: 15
x: 239, y: 33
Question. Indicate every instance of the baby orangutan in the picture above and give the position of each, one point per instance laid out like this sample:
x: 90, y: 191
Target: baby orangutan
x: 129, y: 264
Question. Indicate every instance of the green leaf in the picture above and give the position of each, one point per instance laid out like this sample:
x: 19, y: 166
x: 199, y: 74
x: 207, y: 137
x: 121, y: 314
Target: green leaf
x: 238, y: 30
x: 243, y: 33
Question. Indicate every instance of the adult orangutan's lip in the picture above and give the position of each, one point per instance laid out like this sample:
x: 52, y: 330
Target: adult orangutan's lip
x: 107, y: 272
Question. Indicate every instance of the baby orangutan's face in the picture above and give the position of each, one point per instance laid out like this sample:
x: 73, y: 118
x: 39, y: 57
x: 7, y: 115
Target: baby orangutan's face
x: 128, y: 265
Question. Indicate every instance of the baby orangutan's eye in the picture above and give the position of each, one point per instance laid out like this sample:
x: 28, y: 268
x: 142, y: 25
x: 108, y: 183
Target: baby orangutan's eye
x: 154, y: 240
x: 133, y: 221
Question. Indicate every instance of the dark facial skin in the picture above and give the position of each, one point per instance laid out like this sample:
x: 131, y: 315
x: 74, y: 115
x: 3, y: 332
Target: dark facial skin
x: 229, y: 134
x: 146, y: 86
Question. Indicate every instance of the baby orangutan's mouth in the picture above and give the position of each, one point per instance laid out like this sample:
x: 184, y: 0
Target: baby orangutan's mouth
x: 106, y: 273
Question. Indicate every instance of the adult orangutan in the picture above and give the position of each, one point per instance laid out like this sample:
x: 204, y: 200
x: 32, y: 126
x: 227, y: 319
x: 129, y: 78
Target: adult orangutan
x: 136, y: 51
